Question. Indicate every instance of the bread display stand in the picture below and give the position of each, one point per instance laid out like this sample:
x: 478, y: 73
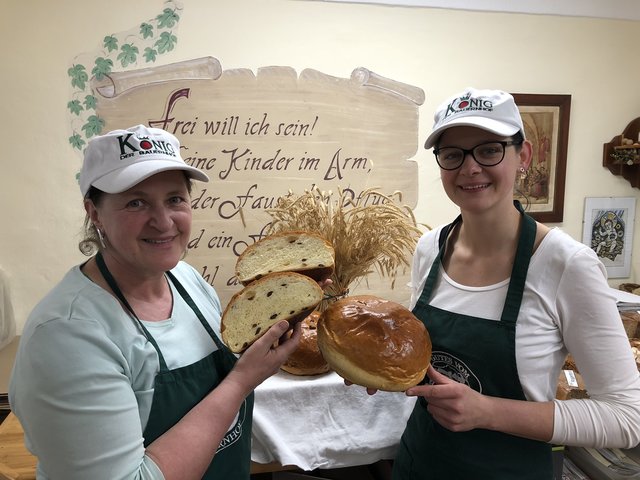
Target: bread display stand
x: 343, y: 426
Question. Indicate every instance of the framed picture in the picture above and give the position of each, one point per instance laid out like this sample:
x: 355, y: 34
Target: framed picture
x: 608, y: 230
x: 546, y: 125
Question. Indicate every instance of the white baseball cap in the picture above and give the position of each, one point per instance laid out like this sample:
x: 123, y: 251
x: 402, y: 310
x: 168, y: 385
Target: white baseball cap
x: 492, y: 110
x: 120, y: 159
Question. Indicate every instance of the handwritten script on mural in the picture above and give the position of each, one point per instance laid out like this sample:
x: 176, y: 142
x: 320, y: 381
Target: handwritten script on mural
x: 260, y: 136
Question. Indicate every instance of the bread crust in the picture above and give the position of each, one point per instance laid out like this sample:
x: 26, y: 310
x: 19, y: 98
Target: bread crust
x: 374, y: 342
x: 307, y: 359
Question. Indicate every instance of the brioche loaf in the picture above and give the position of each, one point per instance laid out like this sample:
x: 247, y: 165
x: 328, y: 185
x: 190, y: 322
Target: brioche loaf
x: 375, y: 343
x: 631, y: 323
x: 307, y: 358
x: 295, y: 251
x: 566, y: 390
x: 635, y: 349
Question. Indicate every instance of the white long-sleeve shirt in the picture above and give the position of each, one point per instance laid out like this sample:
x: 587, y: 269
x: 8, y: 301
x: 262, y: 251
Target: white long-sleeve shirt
x: 567, y: 307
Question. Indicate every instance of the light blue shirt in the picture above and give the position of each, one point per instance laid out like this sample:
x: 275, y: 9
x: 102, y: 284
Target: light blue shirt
x: 83, y: 379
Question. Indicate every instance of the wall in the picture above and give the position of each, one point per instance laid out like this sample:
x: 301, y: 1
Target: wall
x: 440, y: 51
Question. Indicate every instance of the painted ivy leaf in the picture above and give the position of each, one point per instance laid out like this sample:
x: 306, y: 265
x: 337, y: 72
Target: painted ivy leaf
x: 168, y: 18
x: 93, y: 126
x: 110, y: 43
x: 150, y: 54
x: 76, y: 141
x: 102, y: 67
x: 146, y: 30
x: 128, y: 54
x: 78, y: 76
x: 90, y: 102
x: 166, y: 42
x: 75, y: 106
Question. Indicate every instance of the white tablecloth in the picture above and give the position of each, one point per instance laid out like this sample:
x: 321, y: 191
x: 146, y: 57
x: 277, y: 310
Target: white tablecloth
x: 318, y: 422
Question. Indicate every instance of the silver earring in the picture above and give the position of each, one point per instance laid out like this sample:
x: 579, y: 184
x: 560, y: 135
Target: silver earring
x: 101, y: 237
x: 523, y: 173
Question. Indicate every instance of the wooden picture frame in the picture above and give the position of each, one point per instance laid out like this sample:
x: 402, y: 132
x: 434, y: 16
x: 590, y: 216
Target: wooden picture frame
x: 546, y: 126
x: 608, y: 230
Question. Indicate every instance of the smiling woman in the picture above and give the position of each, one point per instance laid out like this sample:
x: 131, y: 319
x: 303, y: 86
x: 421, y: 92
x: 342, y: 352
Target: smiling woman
x: 159, y: 395
x: 504, y: 298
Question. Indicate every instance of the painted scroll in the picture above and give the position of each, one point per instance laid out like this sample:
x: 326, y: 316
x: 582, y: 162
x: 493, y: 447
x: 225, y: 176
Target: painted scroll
x: 259, y: 136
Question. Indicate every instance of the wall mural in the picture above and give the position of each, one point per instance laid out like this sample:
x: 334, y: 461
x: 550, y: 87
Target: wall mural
x: 140, y: 45
x: 262, y: 135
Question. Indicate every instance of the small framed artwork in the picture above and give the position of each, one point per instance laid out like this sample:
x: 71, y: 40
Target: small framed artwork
x: 608, y: 230
x: 546, y: 125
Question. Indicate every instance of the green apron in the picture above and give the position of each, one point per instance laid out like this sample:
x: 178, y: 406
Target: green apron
x: 178, y: 391
x: 480, y: 353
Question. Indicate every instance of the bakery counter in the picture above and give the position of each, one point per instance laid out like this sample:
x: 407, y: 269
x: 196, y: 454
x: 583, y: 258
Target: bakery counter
x: 318, y: 422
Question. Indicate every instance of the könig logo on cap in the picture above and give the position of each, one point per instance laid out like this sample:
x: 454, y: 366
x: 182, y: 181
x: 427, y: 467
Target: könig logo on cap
x: 145, y: 146
x: 467, y: 103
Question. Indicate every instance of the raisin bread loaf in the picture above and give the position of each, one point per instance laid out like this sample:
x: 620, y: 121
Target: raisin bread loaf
x: 254, y: 309
x: 295, y: 251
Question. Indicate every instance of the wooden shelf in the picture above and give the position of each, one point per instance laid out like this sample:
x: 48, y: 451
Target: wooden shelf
x: 622, y: 154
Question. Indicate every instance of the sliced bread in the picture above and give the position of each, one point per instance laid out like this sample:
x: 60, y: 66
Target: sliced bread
x: 296, y: 251
x: 275, y: 297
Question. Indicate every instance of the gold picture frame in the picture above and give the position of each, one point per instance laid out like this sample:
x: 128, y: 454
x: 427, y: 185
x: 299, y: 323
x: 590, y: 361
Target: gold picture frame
x: 546, y: 125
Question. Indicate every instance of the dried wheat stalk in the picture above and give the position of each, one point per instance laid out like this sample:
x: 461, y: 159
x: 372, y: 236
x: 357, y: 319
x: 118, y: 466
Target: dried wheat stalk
x: 368, y: 233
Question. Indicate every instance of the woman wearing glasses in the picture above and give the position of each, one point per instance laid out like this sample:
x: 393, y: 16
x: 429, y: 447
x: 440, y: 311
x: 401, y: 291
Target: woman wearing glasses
x: 505, y: 299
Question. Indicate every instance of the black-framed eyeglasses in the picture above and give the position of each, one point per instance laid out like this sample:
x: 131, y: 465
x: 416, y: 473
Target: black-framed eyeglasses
x: 486, y: 154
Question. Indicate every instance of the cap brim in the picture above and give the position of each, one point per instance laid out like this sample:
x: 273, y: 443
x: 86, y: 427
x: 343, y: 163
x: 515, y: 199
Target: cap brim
x: 123, y: 179
x: 490, y: 125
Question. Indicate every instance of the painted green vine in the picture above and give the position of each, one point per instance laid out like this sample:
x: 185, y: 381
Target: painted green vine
x: 154, y: 37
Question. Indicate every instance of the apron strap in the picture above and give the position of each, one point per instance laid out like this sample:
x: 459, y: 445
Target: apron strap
x: 187, y: 298
x: 435, y: 266
x: 183, y: 293
x: 444, y: 233
x: 520, y: 266
x: 106, y: 274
